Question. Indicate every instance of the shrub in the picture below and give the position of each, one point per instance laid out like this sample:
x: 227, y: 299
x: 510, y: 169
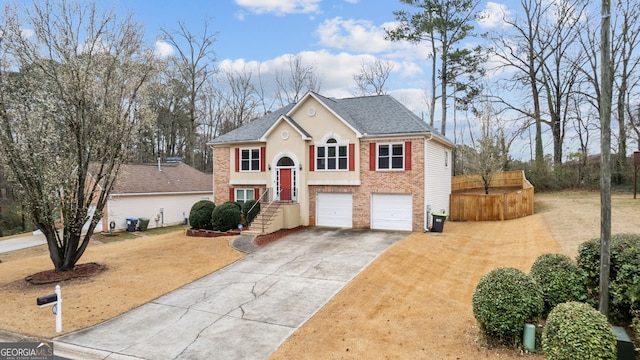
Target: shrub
x: 225, y: 217
x: 624, y: 273
x: 504, y: 300
x: 250, y: 211
x: 560, y: 278
x: 575, y: 330
x: 200, y: 214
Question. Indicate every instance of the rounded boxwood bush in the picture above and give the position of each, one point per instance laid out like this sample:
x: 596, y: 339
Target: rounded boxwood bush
x: 560, y: 278
x: 226, y: 217
x: 200, y: 214
x: 575, y: 330
x: 624, y: 283
x: 250, y: 211
x: 504, y: 300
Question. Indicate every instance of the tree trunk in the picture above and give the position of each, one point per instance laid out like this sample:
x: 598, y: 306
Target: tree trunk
x: 605, y: 165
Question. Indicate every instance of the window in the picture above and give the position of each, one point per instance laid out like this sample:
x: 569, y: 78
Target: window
x: 332, y: 156
x: 391, y: 156
x: 244, y: 195
x: 446, y: 158
x: 250, y: 160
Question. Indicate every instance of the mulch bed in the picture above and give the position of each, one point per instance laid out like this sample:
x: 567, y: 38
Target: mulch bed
x: 79, y: 271
x: 267, y: 239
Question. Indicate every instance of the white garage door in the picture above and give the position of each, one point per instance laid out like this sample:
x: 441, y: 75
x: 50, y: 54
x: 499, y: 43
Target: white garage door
x: 391, y: 212
x: 334, y: 209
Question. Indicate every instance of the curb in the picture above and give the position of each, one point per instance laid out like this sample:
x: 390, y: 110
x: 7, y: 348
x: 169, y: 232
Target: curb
x: 71, y: 351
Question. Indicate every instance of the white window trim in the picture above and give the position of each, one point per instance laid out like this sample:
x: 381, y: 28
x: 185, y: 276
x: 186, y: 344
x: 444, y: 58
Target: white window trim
x: 337, y: 145
x: 244, y: 190
x: 390, y: 145
x: 250, y: 159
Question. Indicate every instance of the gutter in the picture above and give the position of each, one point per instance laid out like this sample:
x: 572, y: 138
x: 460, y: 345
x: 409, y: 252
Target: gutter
x: 162, y: 193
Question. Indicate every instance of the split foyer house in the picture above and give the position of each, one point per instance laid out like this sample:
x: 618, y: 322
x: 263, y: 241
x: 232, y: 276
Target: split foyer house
x: 363, y: 162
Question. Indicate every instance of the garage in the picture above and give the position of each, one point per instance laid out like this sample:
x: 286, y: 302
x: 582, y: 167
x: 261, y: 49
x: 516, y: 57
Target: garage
x: 392, y: 212
x: 334, y: 209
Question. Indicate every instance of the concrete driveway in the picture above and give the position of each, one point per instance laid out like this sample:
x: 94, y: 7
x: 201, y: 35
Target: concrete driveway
x: 244, y: 311
x: 22, y: 242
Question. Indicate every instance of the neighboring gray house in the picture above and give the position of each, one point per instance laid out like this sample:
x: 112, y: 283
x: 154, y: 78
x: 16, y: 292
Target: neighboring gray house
x: 161, y: 192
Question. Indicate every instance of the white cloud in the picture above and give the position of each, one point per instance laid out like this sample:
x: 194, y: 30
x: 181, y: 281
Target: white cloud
x: 362, y: 36
x: 493, y: 16
x: 280, y: 7
x: 162, y: 49
x: 27, y: 33
x: 335, y: 72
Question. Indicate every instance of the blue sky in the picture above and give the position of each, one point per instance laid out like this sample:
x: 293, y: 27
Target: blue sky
x: 334, y: 36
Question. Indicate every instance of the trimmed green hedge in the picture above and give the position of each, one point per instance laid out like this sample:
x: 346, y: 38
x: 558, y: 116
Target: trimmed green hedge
x: 560, y: 278
x: 575, y: 330
x: 226, y: 217
x: 624, y: 283
x: 504, y: 300
x: 200, y: 215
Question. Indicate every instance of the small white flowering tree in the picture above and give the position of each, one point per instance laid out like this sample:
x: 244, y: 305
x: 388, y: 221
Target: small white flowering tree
x: 70, y: 76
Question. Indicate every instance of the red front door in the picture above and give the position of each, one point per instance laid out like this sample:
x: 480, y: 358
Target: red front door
x: 285, y: 184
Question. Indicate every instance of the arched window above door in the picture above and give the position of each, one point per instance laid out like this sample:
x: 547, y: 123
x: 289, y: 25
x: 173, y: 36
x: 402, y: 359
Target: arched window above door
x: 285, y: 161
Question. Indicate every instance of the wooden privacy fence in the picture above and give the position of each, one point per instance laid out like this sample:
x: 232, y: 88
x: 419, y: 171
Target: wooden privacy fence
x: 499, y: 206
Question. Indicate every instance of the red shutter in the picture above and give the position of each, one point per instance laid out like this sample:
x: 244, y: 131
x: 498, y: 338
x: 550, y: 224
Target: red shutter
x: 256, y: 193
x: 312, y: 158
x: 263, y: 158
x: 352, y: 157
x: 407, y: 155
x: 372, y: 156
x: 231, y: 194
x: 237, y: 159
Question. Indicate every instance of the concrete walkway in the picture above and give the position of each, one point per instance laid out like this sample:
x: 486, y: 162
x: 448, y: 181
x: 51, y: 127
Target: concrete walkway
x: 244, y: 311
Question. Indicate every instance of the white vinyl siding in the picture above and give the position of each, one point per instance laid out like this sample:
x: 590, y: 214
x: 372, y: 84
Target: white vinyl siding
x: 437, y: 177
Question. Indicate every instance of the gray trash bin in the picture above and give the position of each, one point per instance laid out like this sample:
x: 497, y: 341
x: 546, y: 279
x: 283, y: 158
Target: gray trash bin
x: 143, y: 224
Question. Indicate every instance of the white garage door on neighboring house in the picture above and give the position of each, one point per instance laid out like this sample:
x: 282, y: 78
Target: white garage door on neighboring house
x: 334, y: 209
x: 391, y: 212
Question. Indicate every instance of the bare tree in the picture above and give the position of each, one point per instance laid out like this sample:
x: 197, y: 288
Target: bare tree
x: 195, y: 64
x: 241, y: 98
x: 292, y: 84
x: 533, y: 49
x: 559, y: 73
x: 626, y: 41
x: 584, y: 124
x: 490, y: 153
x: 67, y: 115
x: 371, y: 78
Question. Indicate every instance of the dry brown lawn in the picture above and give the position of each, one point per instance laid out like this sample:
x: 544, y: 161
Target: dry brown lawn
x: 138, y: 271
x: 414, y: 301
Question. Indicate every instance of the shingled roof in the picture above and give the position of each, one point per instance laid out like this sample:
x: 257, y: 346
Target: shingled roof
x: 173, y: 177
x: 368, y: 115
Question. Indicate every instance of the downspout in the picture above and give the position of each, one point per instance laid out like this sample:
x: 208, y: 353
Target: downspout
x: 427, y: 207
x: 213, y: 178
